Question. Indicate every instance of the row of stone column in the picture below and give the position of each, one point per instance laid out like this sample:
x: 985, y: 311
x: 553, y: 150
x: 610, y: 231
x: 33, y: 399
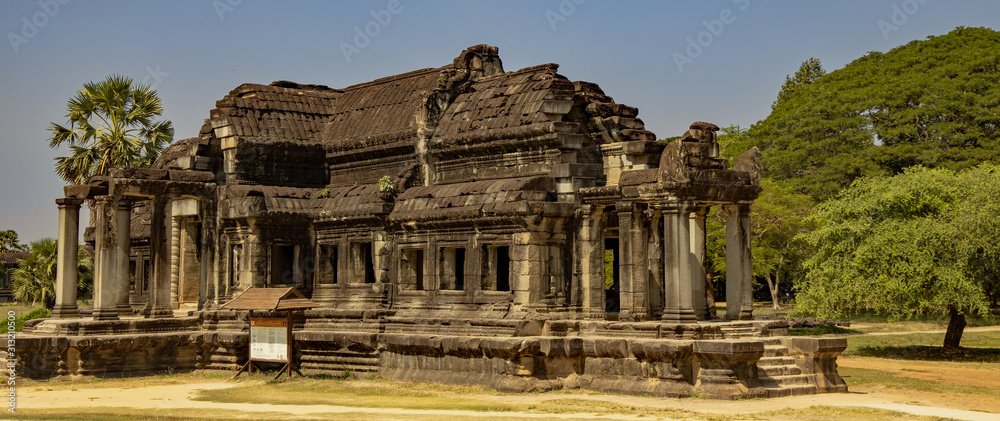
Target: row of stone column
x: 684, y: 275
x: 111, y: 262
x: 675, y: 261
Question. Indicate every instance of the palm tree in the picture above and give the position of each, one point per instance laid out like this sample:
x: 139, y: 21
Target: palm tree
x: 111, y: 124
x: 35, y: 279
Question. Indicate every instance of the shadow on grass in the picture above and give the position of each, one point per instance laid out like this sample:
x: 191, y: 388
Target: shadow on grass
x: 822, y: 330
x: 930, y: 353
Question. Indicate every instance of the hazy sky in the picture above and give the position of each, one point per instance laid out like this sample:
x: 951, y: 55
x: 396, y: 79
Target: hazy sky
x: 677, y: 61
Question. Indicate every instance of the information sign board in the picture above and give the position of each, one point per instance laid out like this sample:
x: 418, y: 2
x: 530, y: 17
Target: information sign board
x: 269, y: 339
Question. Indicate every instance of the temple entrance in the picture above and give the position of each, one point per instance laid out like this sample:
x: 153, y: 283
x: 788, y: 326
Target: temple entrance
x: 612, y: 285
x: 189, y: 262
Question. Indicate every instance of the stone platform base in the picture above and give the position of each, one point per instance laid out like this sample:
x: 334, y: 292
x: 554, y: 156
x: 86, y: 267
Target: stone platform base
x: 711, y: 360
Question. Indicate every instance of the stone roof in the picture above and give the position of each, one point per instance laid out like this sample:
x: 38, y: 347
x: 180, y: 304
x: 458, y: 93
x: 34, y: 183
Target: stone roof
x: 507, y: 105
x: 281, y: 110
x: 379, y: 112
x: 13, y: 258
x: 472, y: 200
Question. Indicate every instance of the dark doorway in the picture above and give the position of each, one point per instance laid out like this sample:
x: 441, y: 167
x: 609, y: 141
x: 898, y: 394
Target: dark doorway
x: 612, y: 297
x: 503, y: 268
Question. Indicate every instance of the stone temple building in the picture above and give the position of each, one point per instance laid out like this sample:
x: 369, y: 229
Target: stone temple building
x: 461, y: 202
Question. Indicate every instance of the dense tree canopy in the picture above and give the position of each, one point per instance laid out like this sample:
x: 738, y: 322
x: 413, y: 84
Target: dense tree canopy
x: 111, y: 124
x: 34, y: 281
x: 934, y: 103
x: 923, y: 241
x: 9, y: 242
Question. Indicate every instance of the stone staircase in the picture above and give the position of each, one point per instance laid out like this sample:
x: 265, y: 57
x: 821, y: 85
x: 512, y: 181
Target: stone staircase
x: 779, y: 374
x: 739, y: 331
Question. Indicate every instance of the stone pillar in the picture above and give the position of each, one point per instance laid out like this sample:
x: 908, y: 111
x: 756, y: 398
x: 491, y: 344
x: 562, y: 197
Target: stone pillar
x: 626, y: 255
x: 123, y: 223
x: 592, y: 263
x: 175, y: 260
x: 106, y: 260
x: 528, y: 269
x: 159, y: 249
x: 739, y: 298
x: 66, y: 266
x: 210, y: 287
x: 654, y: 283
x: 677, y: 276
x: 640, y: 265
x: 698, y: 250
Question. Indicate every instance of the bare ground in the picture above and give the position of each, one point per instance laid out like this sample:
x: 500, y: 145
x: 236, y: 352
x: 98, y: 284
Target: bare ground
x: 181, y: 396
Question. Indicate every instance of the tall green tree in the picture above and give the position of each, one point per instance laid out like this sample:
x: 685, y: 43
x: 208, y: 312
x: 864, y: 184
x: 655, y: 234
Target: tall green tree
x: 777, y: 219
x: 924, y: 241
x: 808, y: 72
x: 931, y: 102
x: 9, y: 242
x: 34, y: 281
x: 111, y: 124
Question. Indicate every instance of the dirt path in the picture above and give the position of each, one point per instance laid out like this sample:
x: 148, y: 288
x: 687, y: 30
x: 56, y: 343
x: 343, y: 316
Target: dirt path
x: 967, y: 330
x: 180, y: 396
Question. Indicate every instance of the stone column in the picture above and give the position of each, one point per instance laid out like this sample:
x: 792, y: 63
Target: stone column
x: 66, y: 266
x: 105, y: 260
x: 210, y: 287
x: 677, y: 276
x: 739, y: 299
x: 626, y: 256
x: 159, y: 249
x: 175, y: 259
x: 639, y: 260
x: 654, y: 284
x: 123, y: 223
x: 528, y: 271
x: 592, y: 264
x: 698, y: 250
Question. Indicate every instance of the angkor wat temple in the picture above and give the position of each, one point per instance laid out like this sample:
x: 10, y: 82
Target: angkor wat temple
x: 454, y: 224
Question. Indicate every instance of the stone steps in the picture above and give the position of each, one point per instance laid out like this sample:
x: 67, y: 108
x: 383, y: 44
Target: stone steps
x: 782, y: 381
x: 779, y: 374
x: 770, y: 361
x: 775, y: 350
x: 779, y: 370
x: 796, y: 390
x: 739, y: 331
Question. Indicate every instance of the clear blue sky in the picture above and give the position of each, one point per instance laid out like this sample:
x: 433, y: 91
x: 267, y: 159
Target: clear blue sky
x: 197, y: 51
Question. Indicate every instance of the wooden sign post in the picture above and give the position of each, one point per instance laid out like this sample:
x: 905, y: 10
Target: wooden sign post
x: 271, y: 338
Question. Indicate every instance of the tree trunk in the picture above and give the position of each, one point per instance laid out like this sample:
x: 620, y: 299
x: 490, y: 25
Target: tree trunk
x: 774, y: 291
x: 710, y: 294
x: 956, y: 326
